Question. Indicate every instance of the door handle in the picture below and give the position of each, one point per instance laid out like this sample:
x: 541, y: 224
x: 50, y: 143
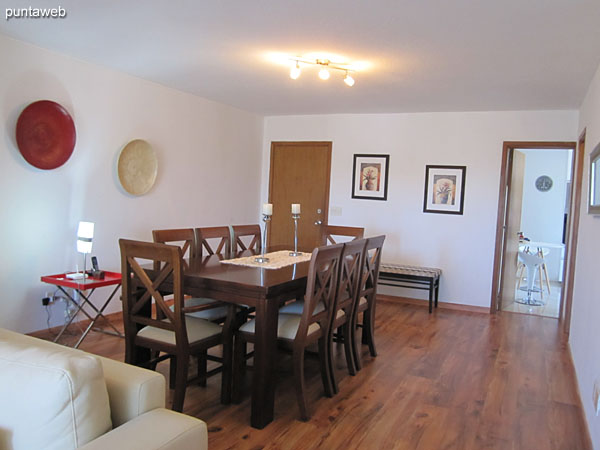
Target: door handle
x: 318, y: 222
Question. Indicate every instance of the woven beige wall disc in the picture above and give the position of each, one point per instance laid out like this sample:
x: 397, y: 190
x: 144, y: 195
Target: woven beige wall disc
x: 137, y: 167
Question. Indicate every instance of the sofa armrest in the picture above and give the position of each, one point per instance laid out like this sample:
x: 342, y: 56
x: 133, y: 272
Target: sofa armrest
x: 132, y: 390
x: 157, y: 429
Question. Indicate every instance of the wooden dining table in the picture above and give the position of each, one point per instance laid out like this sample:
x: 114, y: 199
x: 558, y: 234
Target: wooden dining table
x: 263, y: 289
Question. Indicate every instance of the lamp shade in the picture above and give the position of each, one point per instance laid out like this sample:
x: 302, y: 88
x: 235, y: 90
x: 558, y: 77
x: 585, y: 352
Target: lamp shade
x: 85, y: 234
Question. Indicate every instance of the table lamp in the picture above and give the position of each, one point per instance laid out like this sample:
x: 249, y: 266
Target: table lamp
x: 85, y: 234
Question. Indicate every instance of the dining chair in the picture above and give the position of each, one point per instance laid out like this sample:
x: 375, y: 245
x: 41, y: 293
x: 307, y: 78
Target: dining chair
x: 297, y: 332
x: 205, y: 308
x: 173, y: 333
x: 331, y: 233
x: 250, y: 233
x: 213, y: 241
x: 349, y: 278
x: 217, y: 241
x: 367, y: 298
x: 351, y: 264
x: 189, y: 238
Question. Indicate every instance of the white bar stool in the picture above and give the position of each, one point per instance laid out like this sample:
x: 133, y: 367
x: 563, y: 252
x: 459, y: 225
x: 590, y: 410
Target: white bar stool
x: 532, y: 263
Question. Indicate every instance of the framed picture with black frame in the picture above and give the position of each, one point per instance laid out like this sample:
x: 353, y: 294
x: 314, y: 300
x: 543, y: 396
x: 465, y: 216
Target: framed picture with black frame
x: 370, y: 176
x: 444, y: 189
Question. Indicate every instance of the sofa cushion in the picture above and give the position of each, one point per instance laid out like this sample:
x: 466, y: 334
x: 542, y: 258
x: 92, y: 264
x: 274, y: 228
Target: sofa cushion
x: 131, y: 390
x: 157, y: 429
x: 52, y: 398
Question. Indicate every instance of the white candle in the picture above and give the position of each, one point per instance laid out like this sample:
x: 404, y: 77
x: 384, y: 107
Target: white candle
x: 267, y: 209
x: 295, y: 208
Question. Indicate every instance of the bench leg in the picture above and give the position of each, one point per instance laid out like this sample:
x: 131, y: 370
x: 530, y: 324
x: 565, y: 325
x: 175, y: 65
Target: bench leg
x: 437, y: 291
x: 431, y: 297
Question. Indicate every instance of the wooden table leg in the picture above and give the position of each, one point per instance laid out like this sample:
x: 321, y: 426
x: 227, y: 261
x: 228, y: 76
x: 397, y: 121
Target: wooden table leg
x: 263, y: 378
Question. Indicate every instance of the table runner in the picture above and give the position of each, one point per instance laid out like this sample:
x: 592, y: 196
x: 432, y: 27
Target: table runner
x: 277, y: 260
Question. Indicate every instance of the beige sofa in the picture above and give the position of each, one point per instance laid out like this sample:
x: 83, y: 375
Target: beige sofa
x: 55, y: 397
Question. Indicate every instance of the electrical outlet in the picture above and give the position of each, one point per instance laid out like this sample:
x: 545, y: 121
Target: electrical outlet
x: 596, y: 396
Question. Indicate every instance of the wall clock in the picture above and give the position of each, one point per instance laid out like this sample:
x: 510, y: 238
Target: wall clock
x: 543, y: 183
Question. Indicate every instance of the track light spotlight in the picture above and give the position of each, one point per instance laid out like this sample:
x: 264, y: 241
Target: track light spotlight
x: 295, y: 72
x: 349, y: 80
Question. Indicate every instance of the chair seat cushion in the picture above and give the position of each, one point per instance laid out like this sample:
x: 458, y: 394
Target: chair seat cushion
x: 52, y: 397
x: 217, y: 313
x: 287, y: 326
x: 197, y: 330
x: 298, y: 306
x: 363, y: 304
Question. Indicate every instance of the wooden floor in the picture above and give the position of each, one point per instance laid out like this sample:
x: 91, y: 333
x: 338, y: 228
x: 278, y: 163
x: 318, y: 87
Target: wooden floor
x: 450, y: 380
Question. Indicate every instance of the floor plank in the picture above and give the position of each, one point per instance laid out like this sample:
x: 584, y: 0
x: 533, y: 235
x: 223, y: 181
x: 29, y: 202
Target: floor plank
x: 449, y: 380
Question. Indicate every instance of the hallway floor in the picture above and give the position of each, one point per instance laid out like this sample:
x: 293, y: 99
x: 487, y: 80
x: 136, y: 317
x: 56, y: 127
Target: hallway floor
x: 551, y: 305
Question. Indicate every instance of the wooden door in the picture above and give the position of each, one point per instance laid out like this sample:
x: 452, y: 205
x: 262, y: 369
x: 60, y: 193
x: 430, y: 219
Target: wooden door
x: 512, y: 226
x: 300, y: 173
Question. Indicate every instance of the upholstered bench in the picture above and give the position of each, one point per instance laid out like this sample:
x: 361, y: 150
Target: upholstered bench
x: 412, y: 277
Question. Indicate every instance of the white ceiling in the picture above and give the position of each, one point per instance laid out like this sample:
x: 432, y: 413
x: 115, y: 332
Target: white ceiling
x: 427, y: 55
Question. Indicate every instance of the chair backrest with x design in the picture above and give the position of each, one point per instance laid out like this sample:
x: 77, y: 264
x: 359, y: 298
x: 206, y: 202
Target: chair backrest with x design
x: 370, y: 272
x: 251, y: 237
x: 332, y: 234
x: 139, y: 290
x: 351, y: 264
x: 321, y: 287
x: 213, y: 241
x: 183, y: 237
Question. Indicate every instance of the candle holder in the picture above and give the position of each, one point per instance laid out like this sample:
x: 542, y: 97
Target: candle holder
x: 295, y: 252
x: 261, y: 259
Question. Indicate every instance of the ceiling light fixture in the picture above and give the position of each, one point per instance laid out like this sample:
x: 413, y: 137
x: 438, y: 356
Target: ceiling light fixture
x: 325, y: 65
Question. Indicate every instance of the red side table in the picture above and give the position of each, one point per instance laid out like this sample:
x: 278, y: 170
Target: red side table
x: 81, y: 285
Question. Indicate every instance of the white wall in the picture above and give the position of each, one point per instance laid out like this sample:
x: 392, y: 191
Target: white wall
x: 542, y: 213
x: 462, y: 246
x: 209, y: 161
x: 584, y: 338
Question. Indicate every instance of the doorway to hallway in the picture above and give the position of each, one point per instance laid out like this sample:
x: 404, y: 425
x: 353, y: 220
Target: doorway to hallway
x: 535, y: 215
x: 545, y: 204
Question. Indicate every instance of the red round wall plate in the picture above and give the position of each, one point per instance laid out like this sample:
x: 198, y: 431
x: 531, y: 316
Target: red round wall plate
x: 45, y: 134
